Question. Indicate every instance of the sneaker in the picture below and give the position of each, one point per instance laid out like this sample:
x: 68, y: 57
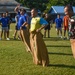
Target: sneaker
x: 7, y: 39
x: 19, y: 38
x: 64, y: 38
x: 68, y: 38
x: 14, y: 38
x: 61, y: 37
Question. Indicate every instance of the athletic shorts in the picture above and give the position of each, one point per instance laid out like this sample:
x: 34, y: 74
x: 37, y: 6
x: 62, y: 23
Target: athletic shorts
x: 5, y: 28
x: 60, y: 28
x: 65, y: 27
x: 17, y: 28
x: 47, y: 27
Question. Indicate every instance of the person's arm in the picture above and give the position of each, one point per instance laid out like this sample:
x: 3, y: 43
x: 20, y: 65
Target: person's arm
x: 25, y: 22
x: 63, y: 24
x: 38, y: 30
x: 17, y: 8
x: 43, y: 23
x: 1, y: 21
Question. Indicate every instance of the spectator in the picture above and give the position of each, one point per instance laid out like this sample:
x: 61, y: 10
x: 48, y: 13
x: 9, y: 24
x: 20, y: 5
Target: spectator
x: 8, y: 22
x: 70, y: 13
x: 4, y: 25
x: 48, y: 27
x: 65, y: 25
x: 58, y: 22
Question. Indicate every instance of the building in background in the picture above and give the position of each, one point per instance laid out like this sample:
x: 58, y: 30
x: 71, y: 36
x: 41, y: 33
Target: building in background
x: 54, y: 10
x: 9, y: 5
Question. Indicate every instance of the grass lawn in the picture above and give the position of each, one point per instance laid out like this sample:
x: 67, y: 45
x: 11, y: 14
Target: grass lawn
x: 14, y: 60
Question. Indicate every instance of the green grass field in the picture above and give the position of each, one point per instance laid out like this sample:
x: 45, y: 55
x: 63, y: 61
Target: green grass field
x: 14, y: 60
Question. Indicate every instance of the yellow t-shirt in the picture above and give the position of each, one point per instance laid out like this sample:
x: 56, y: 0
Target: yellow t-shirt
x: 35, y: 24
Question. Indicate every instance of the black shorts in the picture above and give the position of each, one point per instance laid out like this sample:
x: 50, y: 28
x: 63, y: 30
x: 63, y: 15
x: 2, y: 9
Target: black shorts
x: 16, y: 27
x: 47, y: 28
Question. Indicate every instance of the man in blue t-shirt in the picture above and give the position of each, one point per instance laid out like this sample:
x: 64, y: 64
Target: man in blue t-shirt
x: 58, y: 23
x: 4, y: 25
x: 22, y: 25
x: 8, y: 22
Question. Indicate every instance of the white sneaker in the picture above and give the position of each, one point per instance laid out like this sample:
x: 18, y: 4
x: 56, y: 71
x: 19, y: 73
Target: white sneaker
x: 7, y: 39
x: 61, y: 37
x: 68, y: 38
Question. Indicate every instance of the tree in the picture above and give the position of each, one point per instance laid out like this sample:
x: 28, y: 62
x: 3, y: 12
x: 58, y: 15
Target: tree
x: 39, y: 4
x: 59, y: 3
x: 45, y: 5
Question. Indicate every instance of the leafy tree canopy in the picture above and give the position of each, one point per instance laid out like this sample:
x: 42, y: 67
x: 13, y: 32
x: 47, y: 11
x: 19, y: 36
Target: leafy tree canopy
x: 39, y: 4
x: 44, y: 5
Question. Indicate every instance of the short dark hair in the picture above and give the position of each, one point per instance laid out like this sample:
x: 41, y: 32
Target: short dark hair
x: 58, y: 14
x: 23, y: 10
x: 35, y: 9
x: 6, y: 11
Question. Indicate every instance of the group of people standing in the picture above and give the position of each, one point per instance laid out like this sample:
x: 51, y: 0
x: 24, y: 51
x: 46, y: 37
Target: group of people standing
x: 68, y: 23
x: 30, y: 32
x: 5, y: 21
x: 62, y: 23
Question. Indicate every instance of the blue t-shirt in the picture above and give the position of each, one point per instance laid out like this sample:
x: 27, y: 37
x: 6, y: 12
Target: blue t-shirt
x: 28, y: 19
x: 21, y: 20
x: 4, y: 22
x: 58, y: 22
x: 43, y: 21
x: 8, y: 19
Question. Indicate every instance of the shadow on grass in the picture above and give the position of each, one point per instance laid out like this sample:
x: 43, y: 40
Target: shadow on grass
x: 54, y: 39
x: 57, y: 46
x: 62, y: 66
x: 59, y: 53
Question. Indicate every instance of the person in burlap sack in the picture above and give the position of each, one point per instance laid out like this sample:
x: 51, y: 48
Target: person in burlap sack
x: 38, y: 47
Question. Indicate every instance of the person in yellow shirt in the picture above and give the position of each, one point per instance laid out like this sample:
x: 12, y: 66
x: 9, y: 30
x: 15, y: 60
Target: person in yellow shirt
x: 38, y: 47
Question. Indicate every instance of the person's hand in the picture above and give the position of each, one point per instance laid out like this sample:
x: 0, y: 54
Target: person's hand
x: 72, y: 21
x: 38, y: 30
x: 18, y: 5
x: 20, y: 28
